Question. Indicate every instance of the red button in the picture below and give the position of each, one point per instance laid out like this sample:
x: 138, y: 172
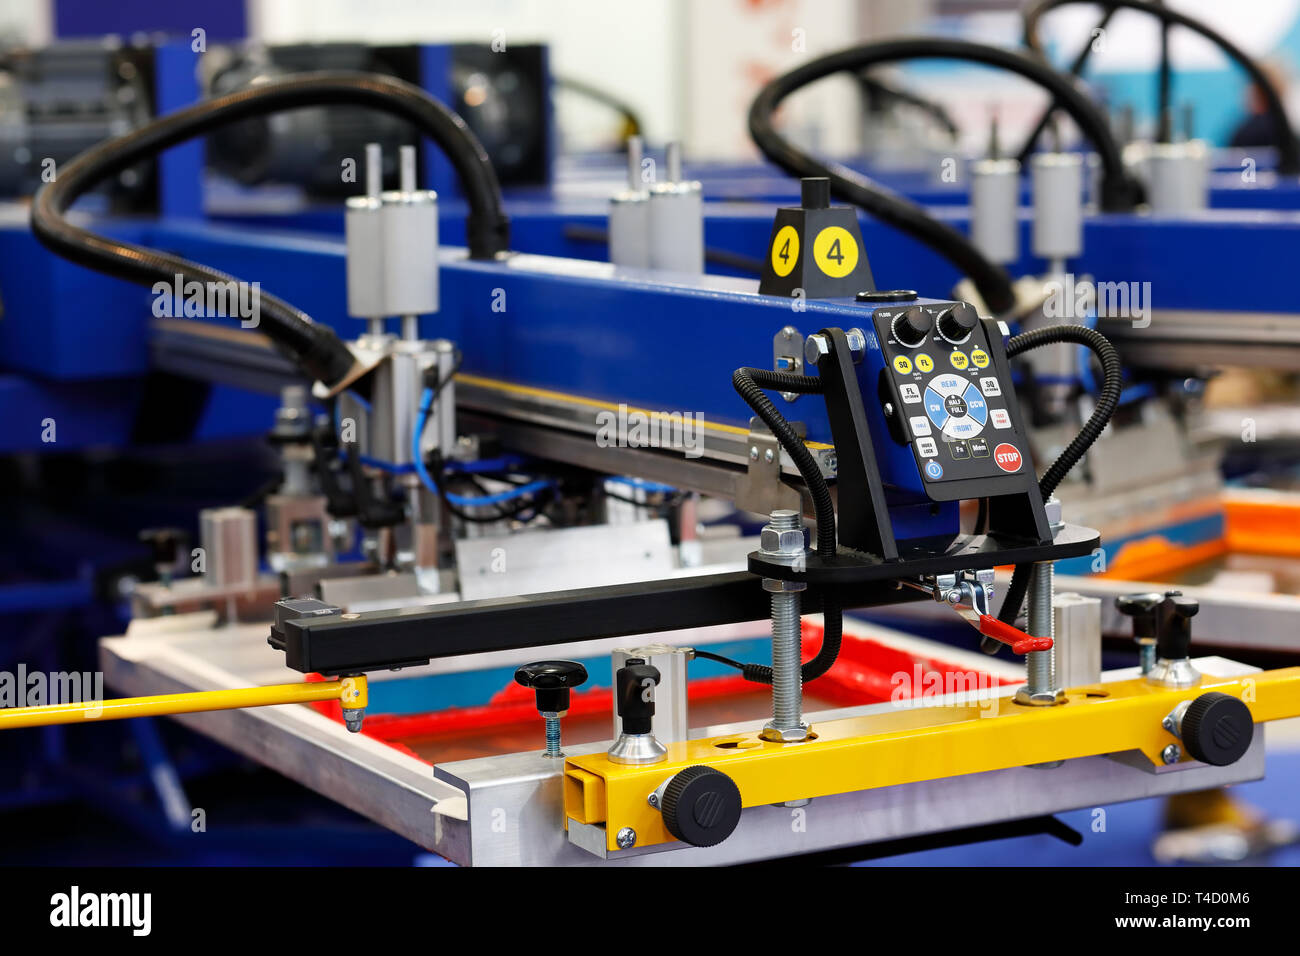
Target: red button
x: 1008, y: 457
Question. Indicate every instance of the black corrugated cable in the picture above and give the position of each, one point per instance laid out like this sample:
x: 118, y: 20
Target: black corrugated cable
x: 316, y: 348
x: 750, y: 382
x: 1107, y: 402
x: 1118, y: 190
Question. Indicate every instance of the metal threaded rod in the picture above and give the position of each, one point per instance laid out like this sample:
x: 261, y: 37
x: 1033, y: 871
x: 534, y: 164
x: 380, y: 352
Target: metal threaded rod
x: 787, y: 653
x: 787, y: 657
x: 553, y: 737
x: 1041, y: 665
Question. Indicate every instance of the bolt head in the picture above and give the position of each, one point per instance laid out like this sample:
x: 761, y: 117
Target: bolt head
x: 784, y: 735
x: 815, y: 348
x: 1171, y: 754
x: 626, y: 838
x: 857, y: 340
x: 1039, y: 698
x: 788, y: 541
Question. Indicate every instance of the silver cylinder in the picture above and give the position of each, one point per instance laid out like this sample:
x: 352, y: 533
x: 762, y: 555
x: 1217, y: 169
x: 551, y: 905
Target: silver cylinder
x: 671, y: 721
x: 440, y: 432
x: 410, y: 252
x: 995, y: 208
x: 1058, y: 205
x: 393, y: 404
x: 629, y: 229
x: 1178, y: 179
x: 363, y: 232
x: 677, y: 227
x: 229, y: 540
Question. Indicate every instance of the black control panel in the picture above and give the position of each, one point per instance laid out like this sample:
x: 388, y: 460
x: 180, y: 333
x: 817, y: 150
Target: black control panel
x: 950, y: 394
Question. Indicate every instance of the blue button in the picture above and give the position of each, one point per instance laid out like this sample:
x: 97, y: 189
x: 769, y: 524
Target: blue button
x: 934, y: 470
x: 976, y: 407
x: 934, y: 408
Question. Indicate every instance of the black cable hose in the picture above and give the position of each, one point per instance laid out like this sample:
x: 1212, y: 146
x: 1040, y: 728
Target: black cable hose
x: 750, y: 382
x: 1288, y: 150
x: 316, y: 348
x: 1118, y: 192
x: 1107, y: 402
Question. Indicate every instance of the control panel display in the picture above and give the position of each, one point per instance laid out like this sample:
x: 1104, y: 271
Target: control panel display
x: 948, y: 400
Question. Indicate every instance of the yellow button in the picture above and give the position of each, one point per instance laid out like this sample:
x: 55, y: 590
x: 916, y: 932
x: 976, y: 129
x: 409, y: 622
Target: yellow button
x: 924, y: 363
x: 902, y: 365
x: 979, y: 357
x: 958, y: 360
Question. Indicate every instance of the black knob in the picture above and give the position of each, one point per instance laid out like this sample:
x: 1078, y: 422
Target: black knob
x: 164, y: 543
x: 1217, y: 729
x: 911, y: 327
x: 634, y: 686
x: 1176, y: 613
x: 955, y: 324
x: 815, y: 192
x: 701, y: 806
x: 552, y: 681
x: 1144, y: 609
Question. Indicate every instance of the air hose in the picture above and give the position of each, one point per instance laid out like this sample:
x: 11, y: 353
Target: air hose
x: 749, y: 383
x: 316, y: 349
x: 1288, y: 159
x: 1107, y: 402
x: 1118, y: 190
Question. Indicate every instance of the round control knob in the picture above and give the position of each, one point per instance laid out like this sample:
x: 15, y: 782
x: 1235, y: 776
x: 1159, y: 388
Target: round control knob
x: 1217, y: 729
x: 911, y: 327
x: 1144, y: 609
x: 956, y: 323
x: 701, y: 806
x: 551, y: 682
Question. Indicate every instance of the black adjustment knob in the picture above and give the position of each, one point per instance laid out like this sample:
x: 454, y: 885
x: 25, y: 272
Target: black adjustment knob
x: 1176, y: 613
x: 911, y: 327
x: 1144, y: 609
x: 955, y: 324
x: 634, y: 695
x: 1217, y: 729
x: 701, y: 806
x: 552, y: 681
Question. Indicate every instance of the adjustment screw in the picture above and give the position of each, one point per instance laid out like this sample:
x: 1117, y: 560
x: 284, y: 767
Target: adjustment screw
x: 1171, y: 754
x: 626, y: 838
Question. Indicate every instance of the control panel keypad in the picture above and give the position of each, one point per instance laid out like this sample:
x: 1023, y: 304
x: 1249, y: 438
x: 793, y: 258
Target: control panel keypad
x: 962, y: 426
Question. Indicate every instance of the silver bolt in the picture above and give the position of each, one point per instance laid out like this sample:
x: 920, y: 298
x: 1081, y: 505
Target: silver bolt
x: 1040, y: 666
x: 753, y: 453
x: 552, y: 736
x: 1171, y: 754
x: 787, y: 666
x: 815, y: 347
x: 857, y: 340
x: 626, y: 838
x: 769, y: 456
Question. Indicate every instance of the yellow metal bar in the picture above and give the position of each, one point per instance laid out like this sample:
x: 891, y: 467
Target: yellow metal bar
x: 350, y: 691
x: 911, y: 744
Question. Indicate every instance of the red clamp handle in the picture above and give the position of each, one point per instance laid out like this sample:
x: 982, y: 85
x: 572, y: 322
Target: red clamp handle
x: 1013, y: 637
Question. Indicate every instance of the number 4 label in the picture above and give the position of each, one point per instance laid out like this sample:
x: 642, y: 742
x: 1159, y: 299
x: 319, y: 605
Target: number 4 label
x: 836, y: 252
x: 785, y: 251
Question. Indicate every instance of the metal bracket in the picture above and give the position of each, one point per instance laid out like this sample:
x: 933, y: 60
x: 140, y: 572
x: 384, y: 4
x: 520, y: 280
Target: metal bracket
x: 787, y: 355
x: 761, y: 489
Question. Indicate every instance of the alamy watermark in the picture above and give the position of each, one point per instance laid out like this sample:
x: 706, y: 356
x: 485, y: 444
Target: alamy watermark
x: 920, y: 688
x: 1071, y: 298
x: 633, y: 428
x: 24, y: 688
x: 196, y: 300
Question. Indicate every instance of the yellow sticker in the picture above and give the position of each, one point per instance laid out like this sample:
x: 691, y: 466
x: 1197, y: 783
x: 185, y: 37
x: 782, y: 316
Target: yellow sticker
x: 924, y: 363
x: 980, y: 358
x: 902, y: 365
x: 785, y: 250
x: 959, y: 360
x: 836, y: 252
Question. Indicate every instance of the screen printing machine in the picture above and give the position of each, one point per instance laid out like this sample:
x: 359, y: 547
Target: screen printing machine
x: 595, y: 410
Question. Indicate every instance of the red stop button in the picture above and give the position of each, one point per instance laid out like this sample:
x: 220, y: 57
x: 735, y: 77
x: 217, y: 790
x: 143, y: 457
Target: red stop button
x: 1008, y: 457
